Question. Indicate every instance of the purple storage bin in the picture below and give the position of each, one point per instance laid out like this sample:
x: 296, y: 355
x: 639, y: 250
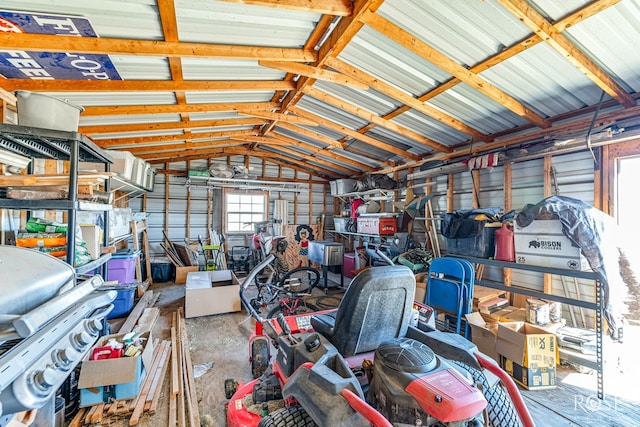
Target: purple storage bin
x: 122, y: 269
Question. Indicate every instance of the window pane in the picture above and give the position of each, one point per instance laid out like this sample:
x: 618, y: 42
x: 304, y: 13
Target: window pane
x: 243, y: 210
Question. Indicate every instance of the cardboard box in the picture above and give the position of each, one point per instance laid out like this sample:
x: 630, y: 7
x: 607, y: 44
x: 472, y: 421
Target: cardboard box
x: 543, y: 243
x: 91, y: 234
x: 421, y: 292
x: 527, y: 345
x: 483, y: 335
x: 125, y: 374
x: 211, y: 292
x: 500, y: 315
x: 181, y: 273
x: 530, y: 378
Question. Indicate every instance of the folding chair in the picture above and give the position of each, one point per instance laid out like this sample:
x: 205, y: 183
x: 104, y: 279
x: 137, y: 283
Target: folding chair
x: 450, y: 292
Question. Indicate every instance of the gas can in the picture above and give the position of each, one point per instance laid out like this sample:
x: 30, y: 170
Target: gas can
x: 505, y: 248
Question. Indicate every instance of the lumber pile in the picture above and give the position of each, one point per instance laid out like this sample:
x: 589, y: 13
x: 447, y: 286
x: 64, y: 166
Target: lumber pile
x: 171, y: 358
x: 180, y: 255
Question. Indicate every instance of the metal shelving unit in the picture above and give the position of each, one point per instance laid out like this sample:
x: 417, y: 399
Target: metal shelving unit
x: 58, y: 145
x: 597, y: 365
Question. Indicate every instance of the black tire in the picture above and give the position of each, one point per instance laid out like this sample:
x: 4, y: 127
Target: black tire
x: 302, y: 308
x: 289, y: 416
x: 230, y: 387
x: 300, y: 280
x: 500, y: 409
x: 259, y: 356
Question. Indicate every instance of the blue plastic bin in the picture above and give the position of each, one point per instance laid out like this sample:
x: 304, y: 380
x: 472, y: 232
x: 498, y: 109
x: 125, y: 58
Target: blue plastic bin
x: 123, y: 304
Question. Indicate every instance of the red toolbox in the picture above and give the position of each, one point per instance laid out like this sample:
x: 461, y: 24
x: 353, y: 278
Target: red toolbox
x: 376, y: 225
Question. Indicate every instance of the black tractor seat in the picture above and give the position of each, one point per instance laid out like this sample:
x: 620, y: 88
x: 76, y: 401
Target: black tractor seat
x: 375, y: 308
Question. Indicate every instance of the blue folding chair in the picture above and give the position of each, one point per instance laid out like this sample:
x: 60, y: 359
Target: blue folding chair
x: 450, y: 292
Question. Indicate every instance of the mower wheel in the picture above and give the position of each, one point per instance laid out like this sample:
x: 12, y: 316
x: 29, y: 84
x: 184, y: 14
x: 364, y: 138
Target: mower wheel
x: 230, y: 387
x: 302, y: 308
x: 500, y: 409
x: 289, y: 416
x: 259, y: 356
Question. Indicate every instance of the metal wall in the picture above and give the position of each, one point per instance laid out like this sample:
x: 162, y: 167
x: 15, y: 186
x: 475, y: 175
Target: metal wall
x: 299, y: 209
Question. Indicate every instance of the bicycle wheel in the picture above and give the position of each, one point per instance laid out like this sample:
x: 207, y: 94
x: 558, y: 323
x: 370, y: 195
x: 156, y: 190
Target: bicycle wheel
x: 292, y: 307
x: 300, y: 280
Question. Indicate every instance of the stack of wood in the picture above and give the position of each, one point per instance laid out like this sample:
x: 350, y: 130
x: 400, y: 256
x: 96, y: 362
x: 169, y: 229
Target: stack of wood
x: 56, y: 186
x: 170, y: 355
x: 180, y: 255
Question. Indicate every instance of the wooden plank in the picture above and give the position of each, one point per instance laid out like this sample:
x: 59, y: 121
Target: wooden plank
x: 146, y: 386
x: 194, y: 411
x: 158, y: 381
x: 143, y: 303
x: 174, y: 357
x: 182, y: 419
x: 77, y: 420
x: 148, y: 319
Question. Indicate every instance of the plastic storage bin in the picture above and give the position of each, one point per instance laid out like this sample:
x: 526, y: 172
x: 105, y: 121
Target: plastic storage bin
x: 122, y: 268
x: 480, y: 246
x: 162, y: 272
x: 123, y: 304
x: 123, y: 163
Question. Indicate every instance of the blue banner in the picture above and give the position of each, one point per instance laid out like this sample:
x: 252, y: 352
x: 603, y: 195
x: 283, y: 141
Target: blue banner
x: 48, y: 65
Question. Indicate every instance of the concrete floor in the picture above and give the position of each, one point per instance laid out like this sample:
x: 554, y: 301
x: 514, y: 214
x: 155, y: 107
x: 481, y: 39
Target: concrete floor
x: 219, y: 350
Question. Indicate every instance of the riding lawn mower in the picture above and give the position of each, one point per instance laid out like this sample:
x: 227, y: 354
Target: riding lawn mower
x: 375, y: 360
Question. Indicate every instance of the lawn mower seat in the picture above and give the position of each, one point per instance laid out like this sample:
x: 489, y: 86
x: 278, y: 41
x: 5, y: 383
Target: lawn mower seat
x: 375, y: 308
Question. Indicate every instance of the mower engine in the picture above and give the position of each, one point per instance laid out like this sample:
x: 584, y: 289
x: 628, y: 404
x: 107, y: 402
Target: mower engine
x: 411, y: 385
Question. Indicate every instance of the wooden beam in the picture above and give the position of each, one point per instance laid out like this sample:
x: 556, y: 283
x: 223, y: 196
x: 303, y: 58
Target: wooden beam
x: 326, y: 152
x: 289, y: 118
x: 374, y: 118
x: 187, y: 136
x: 405, y: 98
x: 548, y: 33
x: 125, y: 110
x: 338, y: 39
x: 112, y: 46
x: 142, y: 127
x: 315, y: 135
x: 143, y: 85
x: 316, y: 73
x: 325, y: 7
x: 434, y: 56
x: 356, y: 135
x: 147, y: 149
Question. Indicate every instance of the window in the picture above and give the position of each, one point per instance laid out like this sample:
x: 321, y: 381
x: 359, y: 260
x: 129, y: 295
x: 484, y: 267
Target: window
x: 243, y: 210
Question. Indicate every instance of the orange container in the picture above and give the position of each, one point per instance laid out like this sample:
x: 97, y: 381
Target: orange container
x: 35, y: 240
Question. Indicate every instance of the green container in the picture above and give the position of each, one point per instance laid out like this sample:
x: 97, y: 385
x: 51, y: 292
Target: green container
x: 199, y: 172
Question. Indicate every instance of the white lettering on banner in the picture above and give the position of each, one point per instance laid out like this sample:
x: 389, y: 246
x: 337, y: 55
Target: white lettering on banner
x: 63, y: 24
x: 27, y: 65
x: 82, y: 63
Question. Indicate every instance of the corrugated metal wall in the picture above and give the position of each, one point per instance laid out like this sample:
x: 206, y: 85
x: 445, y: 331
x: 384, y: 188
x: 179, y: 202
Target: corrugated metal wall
x: 300, y: 210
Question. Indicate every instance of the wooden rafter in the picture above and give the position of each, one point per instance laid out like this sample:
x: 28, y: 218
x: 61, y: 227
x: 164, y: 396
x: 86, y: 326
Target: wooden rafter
x: 402, y: 37
x: 316, y: 73
x: 116, y: 110
x: 511, y: 51
x: 318, y: 33
x: 153, y: 149
x: 403, y: 97
x: 282, y: 142
x: 109, y: 46
x: 315, y: 135
x: 282, y: 148
x: 325, y: 7
x: 277, y: 116
x: 203, y: 136
x: 339, y: 38
x: 373, y: 118
x: 356, y: 135
x: 144, y: 85
x: 328, y: 152
x: 141, y: 127
x: 547, y: 32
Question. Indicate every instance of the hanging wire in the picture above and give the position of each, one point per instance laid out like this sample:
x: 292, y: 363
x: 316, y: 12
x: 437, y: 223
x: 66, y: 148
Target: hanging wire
x: 593, y: 120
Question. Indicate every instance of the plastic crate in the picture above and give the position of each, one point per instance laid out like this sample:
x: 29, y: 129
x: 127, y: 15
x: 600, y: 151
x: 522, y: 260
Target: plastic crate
x: 122, y: 268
